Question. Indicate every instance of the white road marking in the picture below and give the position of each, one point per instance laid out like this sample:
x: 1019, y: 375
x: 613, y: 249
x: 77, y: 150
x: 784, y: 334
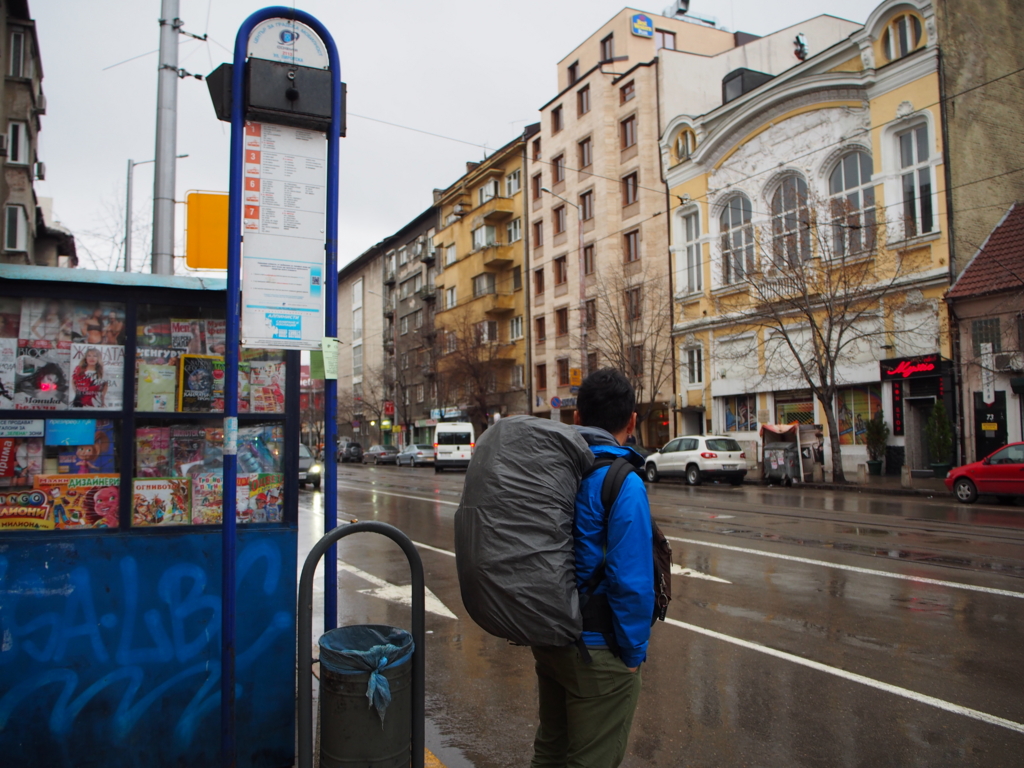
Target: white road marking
x: 853, y: 568
x: 434, y: 549
x: 395, y: 593
x: 852, y: 676
x: 364, y: 489
x: 678, y: 570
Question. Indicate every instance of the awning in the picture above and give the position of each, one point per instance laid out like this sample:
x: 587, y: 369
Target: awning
x: 1017, y: 385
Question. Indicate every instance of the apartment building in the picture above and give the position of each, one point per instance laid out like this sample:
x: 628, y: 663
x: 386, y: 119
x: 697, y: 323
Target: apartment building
x: 599, y: 269
x: 361, y: 387
x: 482, y: 356
x: 810, y: 238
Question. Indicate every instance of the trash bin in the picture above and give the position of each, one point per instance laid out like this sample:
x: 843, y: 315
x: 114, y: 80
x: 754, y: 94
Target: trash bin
x: 366, y: 697
x: 781, y: 463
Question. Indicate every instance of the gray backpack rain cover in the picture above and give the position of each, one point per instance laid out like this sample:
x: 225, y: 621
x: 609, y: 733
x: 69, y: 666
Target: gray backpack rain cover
x: 513, y: 531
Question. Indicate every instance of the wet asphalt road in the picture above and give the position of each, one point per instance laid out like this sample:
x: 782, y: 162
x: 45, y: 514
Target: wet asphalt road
x: 809, y: 628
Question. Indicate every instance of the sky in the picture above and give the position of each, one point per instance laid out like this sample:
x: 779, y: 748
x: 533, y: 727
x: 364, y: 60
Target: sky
x: 473, y: 74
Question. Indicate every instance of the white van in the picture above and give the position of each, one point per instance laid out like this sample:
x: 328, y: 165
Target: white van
x: 453, y: 444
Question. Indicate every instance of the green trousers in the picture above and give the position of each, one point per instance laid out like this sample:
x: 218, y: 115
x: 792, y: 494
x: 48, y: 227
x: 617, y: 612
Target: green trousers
x: 586, y: 710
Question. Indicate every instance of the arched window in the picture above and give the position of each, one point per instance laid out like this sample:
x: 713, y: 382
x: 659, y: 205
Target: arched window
x: 901, y: 36
x: 737, y: 240
x: 686, y: 144
x: 853, y: 205
x: 791, y: 223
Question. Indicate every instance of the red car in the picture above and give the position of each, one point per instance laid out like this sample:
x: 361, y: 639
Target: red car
x: 999, y: 474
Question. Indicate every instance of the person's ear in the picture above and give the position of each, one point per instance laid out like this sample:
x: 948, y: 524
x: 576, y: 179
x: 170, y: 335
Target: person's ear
x: 576, y: 418
x: 631, y: 429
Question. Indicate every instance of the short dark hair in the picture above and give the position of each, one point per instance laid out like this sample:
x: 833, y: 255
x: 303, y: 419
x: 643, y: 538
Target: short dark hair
x: 606, y: 400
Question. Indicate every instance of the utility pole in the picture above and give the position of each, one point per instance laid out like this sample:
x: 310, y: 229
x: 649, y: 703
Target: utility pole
x: 166, y: 140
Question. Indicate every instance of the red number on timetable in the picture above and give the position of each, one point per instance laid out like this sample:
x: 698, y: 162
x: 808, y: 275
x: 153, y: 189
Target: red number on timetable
x: 252, y: 211
x: 253, y: 184
x: 252, y: 129
x: 252, y: 156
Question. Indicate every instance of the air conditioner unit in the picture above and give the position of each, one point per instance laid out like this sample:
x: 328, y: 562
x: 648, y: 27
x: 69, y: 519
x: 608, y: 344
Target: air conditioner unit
x: 41, y: 171
x: 461, y: 209
x: 41, y: 103
x: 1008, y: 362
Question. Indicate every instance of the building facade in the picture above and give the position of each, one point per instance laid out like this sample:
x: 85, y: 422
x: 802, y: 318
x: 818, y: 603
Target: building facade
x: 810, y: 238
x: 480, y: 347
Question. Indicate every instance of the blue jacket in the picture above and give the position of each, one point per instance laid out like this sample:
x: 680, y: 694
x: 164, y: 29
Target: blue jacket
x: 624, y: 545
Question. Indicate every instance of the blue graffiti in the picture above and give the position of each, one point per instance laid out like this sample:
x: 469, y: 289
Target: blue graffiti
x: 135, y: 651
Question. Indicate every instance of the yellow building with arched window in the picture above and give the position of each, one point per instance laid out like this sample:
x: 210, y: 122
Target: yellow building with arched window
x: 809, y: 240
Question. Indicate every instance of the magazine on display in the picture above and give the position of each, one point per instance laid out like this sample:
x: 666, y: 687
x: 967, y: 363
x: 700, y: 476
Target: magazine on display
x: 161, y: 501
x: 97, y: 376
x: 10, y: 318
x: 153, y: 452
x: 255, y: 450
x: 208, y: 498
x: 265, y: 497
x: 200, y: 383
x: 216, y: 337
x: 186, y: 449
x: 41, y: 378
x: 46, y: 323
x: 8, y: 361
x: 77, y: 501
x: 154, y: 333
x: 266, y: 386
x: 22, y: 461
x: 189, y: 335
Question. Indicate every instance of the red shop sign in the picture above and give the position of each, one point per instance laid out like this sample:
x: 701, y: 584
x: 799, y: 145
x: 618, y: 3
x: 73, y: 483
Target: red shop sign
x: 910, y: 367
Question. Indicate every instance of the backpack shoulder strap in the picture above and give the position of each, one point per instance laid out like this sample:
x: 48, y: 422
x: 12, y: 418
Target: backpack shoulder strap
x: 619, y: 470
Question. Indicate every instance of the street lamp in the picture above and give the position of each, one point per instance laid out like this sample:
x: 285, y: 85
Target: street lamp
x: 583, y: 287
x: 128, y: 214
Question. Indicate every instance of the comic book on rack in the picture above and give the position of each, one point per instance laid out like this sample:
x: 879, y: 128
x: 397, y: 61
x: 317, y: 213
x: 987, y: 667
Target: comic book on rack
x: 78, y: 501
x: 161, y: 501
x: 187, y: 449
x: 266, y: 497
x: 153, y: 452
x: 208, y: 497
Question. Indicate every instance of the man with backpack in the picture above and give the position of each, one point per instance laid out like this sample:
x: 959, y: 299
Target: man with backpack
x: 588, y: 691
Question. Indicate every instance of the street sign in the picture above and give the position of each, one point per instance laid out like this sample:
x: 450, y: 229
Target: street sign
x: 575, y: 377
x: 206, y: 230
x: 389, y: 408
x: 556, y: 402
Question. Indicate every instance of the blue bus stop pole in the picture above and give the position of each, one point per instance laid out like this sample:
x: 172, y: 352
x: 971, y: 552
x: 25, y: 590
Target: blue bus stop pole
x: 233, y: 316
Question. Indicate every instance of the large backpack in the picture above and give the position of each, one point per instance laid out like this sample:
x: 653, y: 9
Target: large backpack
x: 514, y: 531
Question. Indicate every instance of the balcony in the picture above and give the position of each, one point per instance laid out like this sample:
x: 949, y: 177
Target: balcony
x: 429, y: 255
x: 496, y: 209
x: 426, y: 293
x: 497, y: 255
x: 389, y: 277
x: 499, y: 303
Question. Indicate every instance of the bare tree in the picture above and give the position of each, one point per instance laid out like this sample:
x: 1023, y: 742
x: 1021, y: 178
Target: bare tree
x: 822, y: 290
x: 630, y: 328
x: 371, y: 402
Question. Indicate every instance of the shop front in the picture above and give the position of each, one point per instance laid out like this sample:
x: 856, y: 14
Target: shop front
x: 914, y: 385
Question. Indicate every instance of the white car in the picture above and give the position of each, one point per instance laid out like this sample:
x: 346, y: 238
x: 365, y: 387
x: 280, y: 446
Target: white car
x: 698, y: 458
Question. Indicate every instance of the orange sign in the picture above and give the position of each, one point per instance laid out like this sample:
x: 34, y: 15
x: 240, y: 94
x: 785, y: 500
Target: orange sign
x: 206, y: 230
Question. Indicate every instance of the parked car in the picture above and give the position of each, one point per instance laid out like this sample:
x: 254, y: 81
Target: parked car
x: 310, y: 470
x: 416, y: 455
x: 381, y: 454
x: 350, y: 451
x: 454, y: 442
x: 698, y: 458
x: 999, y: 474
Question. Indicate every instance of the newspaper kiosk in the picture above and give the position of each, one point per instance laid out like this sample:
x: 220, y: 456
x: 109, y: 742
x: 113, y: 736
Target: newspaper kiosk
x: 111, y: 438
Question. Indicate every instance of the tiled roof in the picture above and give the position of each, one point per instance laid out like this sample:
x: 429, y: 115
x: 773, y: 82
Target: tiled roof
x: 999, y: 265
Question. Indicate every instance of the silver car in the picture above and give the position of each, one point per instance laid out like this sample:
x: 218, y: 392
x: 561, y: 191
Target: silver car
x: 417, y: 455
x: 698, y: 458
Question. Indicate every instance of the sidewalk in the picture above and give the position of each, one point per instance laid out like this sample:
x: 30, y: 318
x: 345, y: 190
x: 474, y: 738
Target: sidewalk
x: 890, y: 485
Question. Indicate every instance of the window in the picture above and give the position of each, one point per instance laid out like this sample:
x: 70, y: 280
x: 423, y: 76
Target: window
x: 516, y: 381
x: 449, y: 255
x: 538, y: 233
x: 631, y: 245
x: 16, y: 230
x: 916, y: 181
x: 627, y: 132
x: 556, y: 119
x: 417, y: 318
x: 583, y: 100
x: 357, y: 360
x: 562, y: 321
x: 515, y: 327
x: 608, y: 48
x: 561, y: 270
x: 536, y: 149
x: 512, y: 183
x: 686, y: 143
x: 17, y: 68
x: 590, y: 312
x: 451, y: 342
x: 404, y: 360
x: 483, y: 284
x: 627, y: 92
x: 694, y: 366
x: 586, y: 152
x: 449, y: 298
x: 587, y: 206
x: 636, y: 360
x: 542, y: 377
x: 559, y: 216
x: 406, y: 289
x: 514, y: 231
x: 563, y: 372
x: 663, y: 39
x: 588, y: 259
x: 403, y: 325
x: 630, y: 189
x: 986, y: 332
x: 794, y: 407
x: 691, y: 240
x: 901, y: 36
x: 540, y: 329
x: 483, y: 237
x: 488, y: 191
x: 538, y: 281
x: 737, y: 240
x: 17, y: 143
x: 740, y: 413
x: 853, y: 205
x: 856, y: 406
x: 634, y: 303
x: 591, y: 362
x: 517, y: 278
x: 419, y: 393
x: 536, y: 185
x: 791, y: 223
x: 403, y: 257
x: 486, y: 331
x: 558, y: 169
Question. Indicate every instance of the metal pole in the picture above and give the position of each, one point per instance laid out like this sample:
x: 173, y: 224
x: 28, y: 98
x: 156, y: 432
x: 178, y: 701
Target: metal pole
x: 166, y: 140
x: 128, y: 222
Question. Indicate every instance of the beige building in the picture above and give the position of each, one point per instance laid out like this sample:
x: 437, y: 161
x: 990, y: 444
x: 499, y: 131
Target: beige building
x: 596, y: 200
